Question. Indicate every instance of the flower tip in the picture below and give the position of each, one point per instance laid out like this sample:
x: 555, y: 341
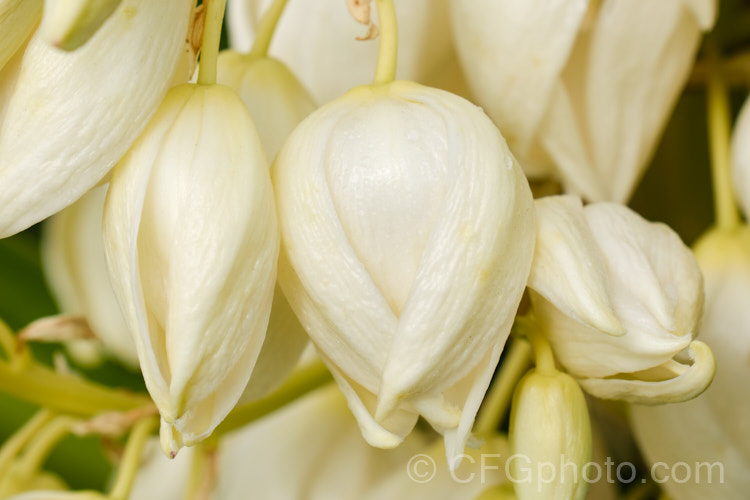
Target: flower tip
x: 170, y: 440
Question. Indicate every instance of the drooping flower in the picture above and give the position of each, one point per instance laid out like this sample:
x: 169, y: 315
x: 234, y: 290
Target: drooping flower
x: 67, y: 117
x: 713, y: 430
x: 277, y: 101
x: 407, y: 235
x: 317, y: 40
x: 75, y: 267
x: 191, y: 239
x: 581, y: 89
x: 619, y: 298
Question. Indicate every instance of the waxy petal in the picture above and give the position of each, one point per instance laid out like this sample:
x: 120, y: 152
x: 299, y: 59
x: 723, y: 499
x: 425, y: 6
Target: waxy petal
x: 193, y: 254
x: 70, y: 116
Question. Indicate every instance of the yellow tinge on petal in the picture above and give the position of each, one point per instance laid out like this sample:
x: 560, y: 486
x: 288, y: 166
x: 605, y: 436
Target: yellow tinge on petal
x: 17, y: 20
x: 68, y: 24
x: 192, y: 240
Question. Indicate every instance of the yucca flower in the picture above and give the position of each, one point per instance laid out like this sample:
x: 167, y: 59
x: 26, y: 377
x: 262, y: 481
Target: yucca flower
x: 407, y: 236
x: 67, y: 117
x: 191, y: 239
x: 580, y: 89
x: 619, y: 299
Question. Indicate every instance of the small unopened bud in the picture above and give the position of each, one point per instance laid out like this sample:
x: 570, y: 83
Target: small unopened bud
x: 550, y: 437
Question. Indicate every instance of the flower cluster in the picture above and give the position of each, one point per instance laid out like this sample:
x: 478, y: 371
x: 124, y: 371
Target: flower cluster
x: 245, y: 229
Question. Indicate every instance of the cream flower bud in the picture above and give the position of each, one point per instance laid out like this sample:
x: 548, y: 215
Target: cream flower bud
x: 73, y: 258
x: 317, y: 40
x: 68, y: 24
x: 580, y: 88
x: 274, y: 96
x: 549, y: 424
x: 67, y: 117
x: 712, y: 430
x: 17, y: 20
x: 618, y: 295
x: 191, y: 239
x: 408, y: 232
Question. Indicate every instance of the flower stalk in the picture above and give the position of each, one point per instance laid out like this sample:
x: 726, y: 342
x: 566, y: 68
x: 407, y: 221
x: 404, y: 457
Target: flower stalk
x: 211, y: 41
x: 719, y: 127
x: 267, y: 28
x: 385, y: 71
x: 132, y: 458
x: 496, y: 402
x: 301, y: 382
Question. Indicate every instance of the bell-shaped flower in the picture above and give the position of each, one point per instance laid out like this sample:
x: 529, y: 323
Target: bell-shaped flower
x: 67, y: 117
x: 277, y: 101
x: 619, y: 299
x: 191, y: 240
x: 18, y: 18
x: 407, y: 236
x: 72, y: 252
x: 330, y: 61
x: 712, y: 430
x: 549, y: 423
x: 582, y: 88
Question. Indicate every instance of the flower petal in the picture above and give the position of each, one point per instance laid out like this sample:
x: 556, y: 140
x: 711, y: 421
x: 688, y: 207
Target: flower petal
x: 88, y: 106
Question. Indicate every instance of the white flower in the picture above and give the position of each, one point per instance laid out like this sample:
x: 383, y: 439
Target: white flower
x: 582, y: 88
x: 407, y: 236
x: 73, y: 257
x: 316, y: 39
x: 67, y: 117
x: 191, y: 239
x: 618, y: 295
x: 273, y: 95
x: 714, y: 428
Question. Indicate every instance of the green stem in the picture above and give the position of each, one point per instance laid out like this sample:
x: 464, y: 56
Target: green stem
x: 719, y: 126
x: 202, y: 472
x: 15, y: 443
x: 516, y: 363
x: 211, y: 40
x: 42, y: 443
x: 301, y: 382
x: 131, y: 459
x: 385, y: 71
x: 7, y: 341
x: 266, y: 29
x: 543, y: 355
x: 65, y: 393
